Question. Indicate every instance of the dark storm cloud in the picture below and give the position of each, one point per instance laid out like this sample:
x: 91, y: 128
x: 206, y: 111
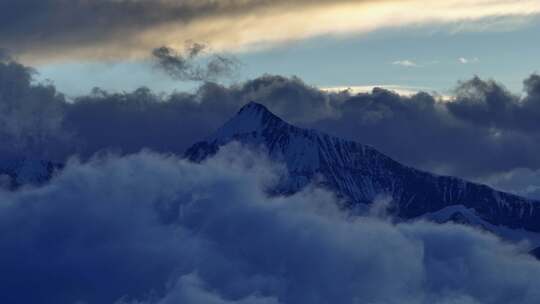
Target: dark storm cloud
x: 30, y: 27
x: 474, y: 135
x: 128, y: 122
x: 189, y: 66
x: 489, y: 104
x: 46, y: 30
x: 30, y: 115
x: 417, y: 130
x: 81, y: 19
x: 485, y: 131
x: 50, y: 16
x: 29, y: 23
x: 149, y: 228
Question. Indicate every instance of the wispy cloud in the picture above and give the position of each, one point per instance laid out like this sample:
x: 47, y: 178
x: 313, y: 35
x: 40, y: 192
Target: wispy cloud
x: 401, y: 90
x: 38, y: 29
x: 195, y: 63
x: 405, y: 63
x: 464, y: 60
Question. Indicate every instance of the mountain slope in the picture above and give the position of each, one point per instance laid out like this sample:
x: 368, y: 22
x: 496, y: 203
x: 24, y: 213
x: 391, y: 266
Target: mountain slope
x: 359, y: 173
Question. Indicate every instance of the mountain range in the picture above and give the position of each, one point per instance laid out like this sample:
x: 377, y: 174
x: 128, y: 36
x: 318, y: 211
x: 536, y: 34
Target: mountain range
x: 360, y: 175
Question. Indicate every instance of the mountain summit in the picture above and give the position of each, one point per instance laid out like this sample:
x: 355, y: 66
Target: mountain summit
x: 251, y: 117
x: 360, y: 174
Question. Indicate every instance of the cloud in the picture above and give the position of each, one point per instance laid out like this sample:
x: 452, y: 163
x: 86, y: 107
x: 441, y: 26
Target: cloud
x: 188, y: 67
x: 399, y: 89
x: 41, y: 30
x: 497, y: 129
x: 405, y: 63
x: 191, y: 289
x: 490, y: 105
x: 30, y: 115
x: 524, y: 182
x: 141, y: 119
x: 150, y: 228
x: 4, y: 55
x: 464, y: 60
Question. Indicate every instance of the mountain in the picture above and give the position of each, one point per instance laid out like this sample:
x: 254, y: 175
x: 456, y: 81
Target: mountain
x: 360, y: 174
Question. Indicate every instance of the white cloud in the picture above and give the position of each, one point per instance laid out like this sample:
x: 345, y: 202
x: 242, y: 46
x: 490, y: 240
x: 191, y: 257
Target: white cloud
x: 398, y: 89
x: 464, y: 60
x: 161, y: 230
x: 355, y: 89
x: 405, y: 63
x: 522, y: 181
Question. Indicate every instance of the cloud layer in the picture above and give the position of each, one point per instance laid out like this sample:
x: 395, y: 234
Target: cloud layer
x: 105, y: 29
x: 485, y: 131
x: 30, y: 116
x: 150, y: 228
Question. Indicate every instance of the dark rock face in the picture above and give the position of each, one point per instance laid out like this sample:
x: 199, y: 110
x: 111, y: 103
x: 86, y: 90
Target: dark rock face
x: 359, y: 173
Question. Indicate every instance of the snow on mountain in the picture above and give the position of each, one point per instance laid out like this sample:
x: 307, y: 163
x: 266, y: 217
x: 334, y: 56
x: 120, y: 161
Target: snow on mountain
x: 359, y: 173
x: 460, y: 214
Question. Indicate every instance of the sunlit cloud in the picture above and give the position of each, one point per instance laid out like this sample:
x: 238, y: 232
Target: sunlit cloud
x: 237, y: 26
x: 398, y: 89
x: 355, y: 89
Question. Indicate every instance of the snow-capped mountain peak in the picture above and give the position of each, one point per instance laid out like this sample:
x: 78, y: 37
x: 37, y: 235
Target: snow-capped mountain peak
x: 253, y: 117
x: 255, y: 109
x: 360, y: 174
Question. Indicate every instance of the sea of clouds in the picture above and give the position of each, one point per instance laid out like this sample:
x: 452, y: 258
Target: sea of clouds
x: 152, y: 228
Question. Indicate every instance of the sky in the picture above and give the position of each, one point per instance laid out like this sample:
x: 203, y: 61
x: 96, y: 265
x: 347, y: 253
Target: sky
x: 403, y: 45
x: 404, y: 58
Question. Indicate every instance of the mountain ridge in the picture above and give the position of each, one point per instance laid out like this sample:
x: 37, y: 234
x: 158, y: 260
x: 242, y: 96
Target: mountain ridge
x: 359, y: 173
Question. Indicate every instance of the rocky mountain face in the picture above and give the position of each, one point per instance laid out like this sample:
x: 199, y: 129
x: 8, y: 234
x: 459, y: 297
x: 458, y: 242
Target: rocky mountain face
x: 360, y: 174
